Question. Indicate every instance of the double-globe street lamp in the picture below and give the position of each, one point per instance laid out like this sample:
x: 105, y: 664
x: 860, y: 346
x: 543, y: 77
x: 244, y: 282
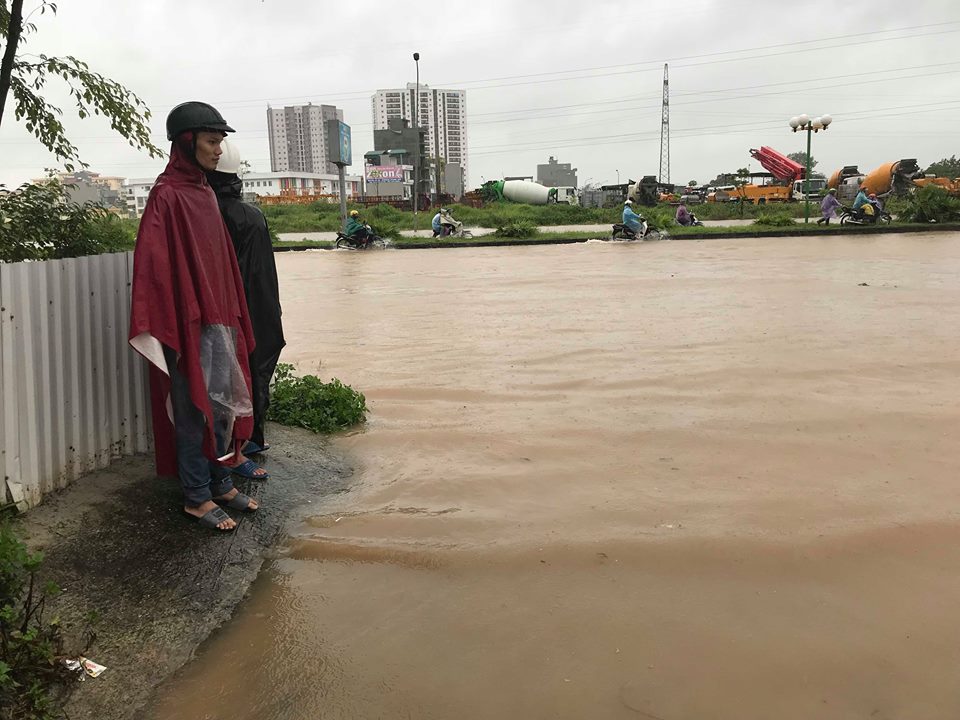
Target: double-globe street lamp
x: 803, y: 122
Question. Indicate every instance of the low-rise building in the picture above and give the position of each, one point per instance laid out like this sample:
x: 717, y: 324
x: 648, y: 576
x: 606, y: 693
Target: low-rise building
x: 315, y: 186
x: 407, y: 144
x: 453, y: 180
x: 387, y: 176
x: 556, y: 174
x: 84, y: 186
x: 135, y: 194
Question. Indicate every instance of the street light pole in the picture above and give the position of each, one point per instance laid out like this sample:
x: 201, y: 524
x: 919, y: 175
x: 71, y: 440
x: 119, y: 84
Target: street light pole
x: 618, y: 177
x: 416, y: 157
x: 803, y: 122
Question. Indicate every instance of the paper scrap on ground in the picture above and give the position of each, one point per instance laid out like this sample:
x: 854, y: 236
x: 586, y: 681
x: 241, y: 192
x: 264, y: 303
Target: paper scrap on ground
x: 89, y: 666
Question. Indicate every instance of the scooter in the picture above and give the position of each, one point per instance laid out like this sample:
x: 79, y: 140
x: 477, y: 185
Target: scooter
x: 622, y: 232
x: 372, y: 241
x: 849, y: 216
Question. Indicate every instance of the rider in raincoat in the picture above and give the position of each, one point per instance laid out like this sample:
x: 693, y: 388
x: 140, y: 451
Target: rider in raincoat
x: 828, y: 208
x: 630, y: 219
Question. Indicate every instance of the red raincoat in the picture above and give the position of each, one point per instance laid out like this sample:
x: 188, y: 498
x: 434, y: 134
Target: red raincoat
x: 185, y: 277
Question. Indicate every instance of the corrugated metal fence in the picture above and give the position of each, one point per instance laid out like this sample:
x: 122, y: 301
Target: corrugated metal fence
x: 73, y: 395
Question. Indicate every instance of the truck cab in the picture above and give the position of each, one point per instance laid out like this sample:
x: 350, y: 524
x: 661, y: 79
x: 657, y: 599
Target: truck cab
x: 818, y: 186
x: 565, y: 195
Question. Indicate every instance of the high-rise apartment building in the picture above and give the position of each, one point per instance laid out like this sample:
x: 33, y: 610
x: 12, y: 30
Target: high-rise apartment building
x: 442, y: 113
x: 298, y: 138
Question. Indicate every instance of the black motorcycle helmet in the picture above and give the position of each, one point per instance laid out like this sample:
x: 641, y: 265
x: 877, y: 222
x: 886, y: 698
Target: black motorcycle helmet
x: 195, y: 115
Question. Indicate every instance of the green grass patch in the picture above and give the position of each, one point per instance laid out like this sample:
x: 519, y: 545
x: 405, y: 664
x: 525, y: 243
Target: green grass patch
x: 305, y: 244
x: 774, y: 218
x: 516, y: 229
x: 310, y: 403
x: 749, y: 211
x: 319, y: 217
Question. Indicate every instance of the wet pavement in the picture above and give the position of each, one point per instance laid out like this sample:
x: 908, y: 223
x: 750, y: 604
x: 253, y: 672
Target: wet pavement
x: 118, y: 544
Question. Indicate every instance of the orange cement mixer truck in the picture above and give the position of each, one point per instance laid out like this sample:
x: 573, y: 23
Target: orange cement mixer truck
x: 892, y: 178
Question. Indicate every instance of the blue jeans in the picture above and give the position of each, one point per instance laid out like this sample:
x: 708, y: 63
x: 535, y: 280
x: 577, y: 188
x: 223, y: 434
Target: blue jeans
x: 202, y: 479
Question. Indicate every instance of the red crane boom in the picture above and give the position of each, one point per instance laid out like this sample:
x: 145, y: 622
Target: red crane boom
x: 782, y: 167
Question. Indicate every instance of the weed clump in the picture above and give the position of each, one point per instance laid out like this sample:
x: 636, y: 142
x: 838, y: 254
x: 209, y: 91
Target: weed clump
x: 34, y: 682
x: 774, y: 218
x: 930, y: 204
x: 310, y: 403
x: 516, y: 229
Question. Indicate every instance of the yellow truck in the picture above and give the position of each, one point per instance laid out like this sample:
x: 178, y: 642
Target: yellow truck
x: 768, y: 190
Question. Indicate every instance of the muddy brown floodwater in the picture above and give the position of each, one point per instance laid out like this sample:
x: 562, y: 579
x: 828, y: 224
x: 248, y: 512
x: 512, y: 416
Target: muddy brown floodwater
x: 675, y: 480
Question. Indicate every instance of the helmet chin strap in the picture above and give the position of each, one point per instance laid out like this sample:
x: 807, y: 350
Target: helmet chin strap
x: 187, y: 141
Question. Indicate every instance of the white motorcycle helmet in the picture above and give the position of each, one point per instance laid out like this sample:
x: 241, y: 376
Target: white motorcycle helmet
x: 628, y: 202
x: 230, y: 159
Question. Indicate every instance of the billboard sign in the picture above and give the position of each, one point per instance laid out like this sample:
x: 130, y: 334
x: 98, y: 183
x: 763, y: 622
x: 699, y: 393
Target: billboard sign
x: 384, y: 174
x: 339, y: 147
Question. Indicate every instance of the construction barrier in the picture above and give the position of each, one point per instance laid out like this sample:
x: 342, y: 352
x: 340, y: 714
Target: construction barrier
x: 73, y: 395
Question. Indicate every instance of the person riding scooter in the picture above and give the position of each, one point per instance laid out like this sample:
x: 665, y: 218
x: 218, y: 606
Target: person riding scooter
x: 686, y: 218
x: 861, y: 204
x: 630, y: 219
x: 444, y: 224
x: 356, y: 230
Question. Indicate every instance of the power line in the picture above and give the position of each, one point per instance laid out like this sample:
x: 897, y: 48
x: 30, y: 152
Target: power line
x: 357, y: 95
x: 712, y: 62
x: 699, y: 131
x: 635, y: 98
x: 679, y: 60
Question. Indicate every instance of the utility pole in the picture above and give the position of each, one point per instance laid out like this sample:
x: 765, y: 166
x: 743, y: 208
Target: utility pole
x: 665, y: 129
x: 417, y: 158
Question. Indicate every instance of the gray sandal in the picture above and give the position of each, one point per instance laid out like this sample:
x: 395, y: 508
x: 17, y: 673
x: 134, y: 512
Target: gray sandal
x: 239, y: 502
x: 211, y: 519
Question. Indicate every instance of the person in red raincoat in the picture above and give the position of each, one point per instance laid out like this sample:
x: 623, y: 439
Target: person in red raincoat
x: 189, y: 319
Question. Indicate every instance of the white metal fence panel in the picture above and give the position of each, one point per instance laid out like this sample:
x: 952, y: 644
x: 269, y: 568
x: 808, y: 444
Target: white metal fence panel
x: 73, y: 395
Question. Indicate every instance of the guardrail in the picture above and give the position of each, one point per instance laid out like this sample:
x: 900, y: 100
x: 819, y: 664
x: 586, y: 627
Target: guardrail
x: 73, y: 395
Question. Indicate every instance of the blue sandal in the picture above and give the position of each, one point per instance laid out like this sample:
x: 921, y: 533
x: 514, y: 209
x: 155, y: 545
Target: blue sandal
x: 239, y: 502
x: 247, y: 469
x: 211, y: 519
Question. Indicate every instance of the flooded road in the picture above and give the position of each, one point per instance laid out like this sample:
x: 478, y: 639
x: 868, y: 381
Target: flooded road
x: 665, y: 480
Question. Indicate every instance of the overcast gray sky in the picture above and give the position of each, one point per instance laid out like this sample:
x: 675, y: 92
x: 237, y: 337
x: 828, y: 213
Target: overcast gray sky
x: 578, y: 80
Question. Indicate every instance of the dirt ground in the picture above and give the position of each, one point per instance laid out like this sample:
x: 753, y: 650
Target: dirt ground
x: 119, y: 545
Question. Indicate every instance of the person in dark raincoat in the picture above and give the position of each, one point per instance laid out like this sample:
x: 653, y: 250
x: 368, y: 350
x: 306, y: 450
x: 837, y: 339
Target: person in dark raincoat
x: 251, y: 241
x: 189, y: 319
